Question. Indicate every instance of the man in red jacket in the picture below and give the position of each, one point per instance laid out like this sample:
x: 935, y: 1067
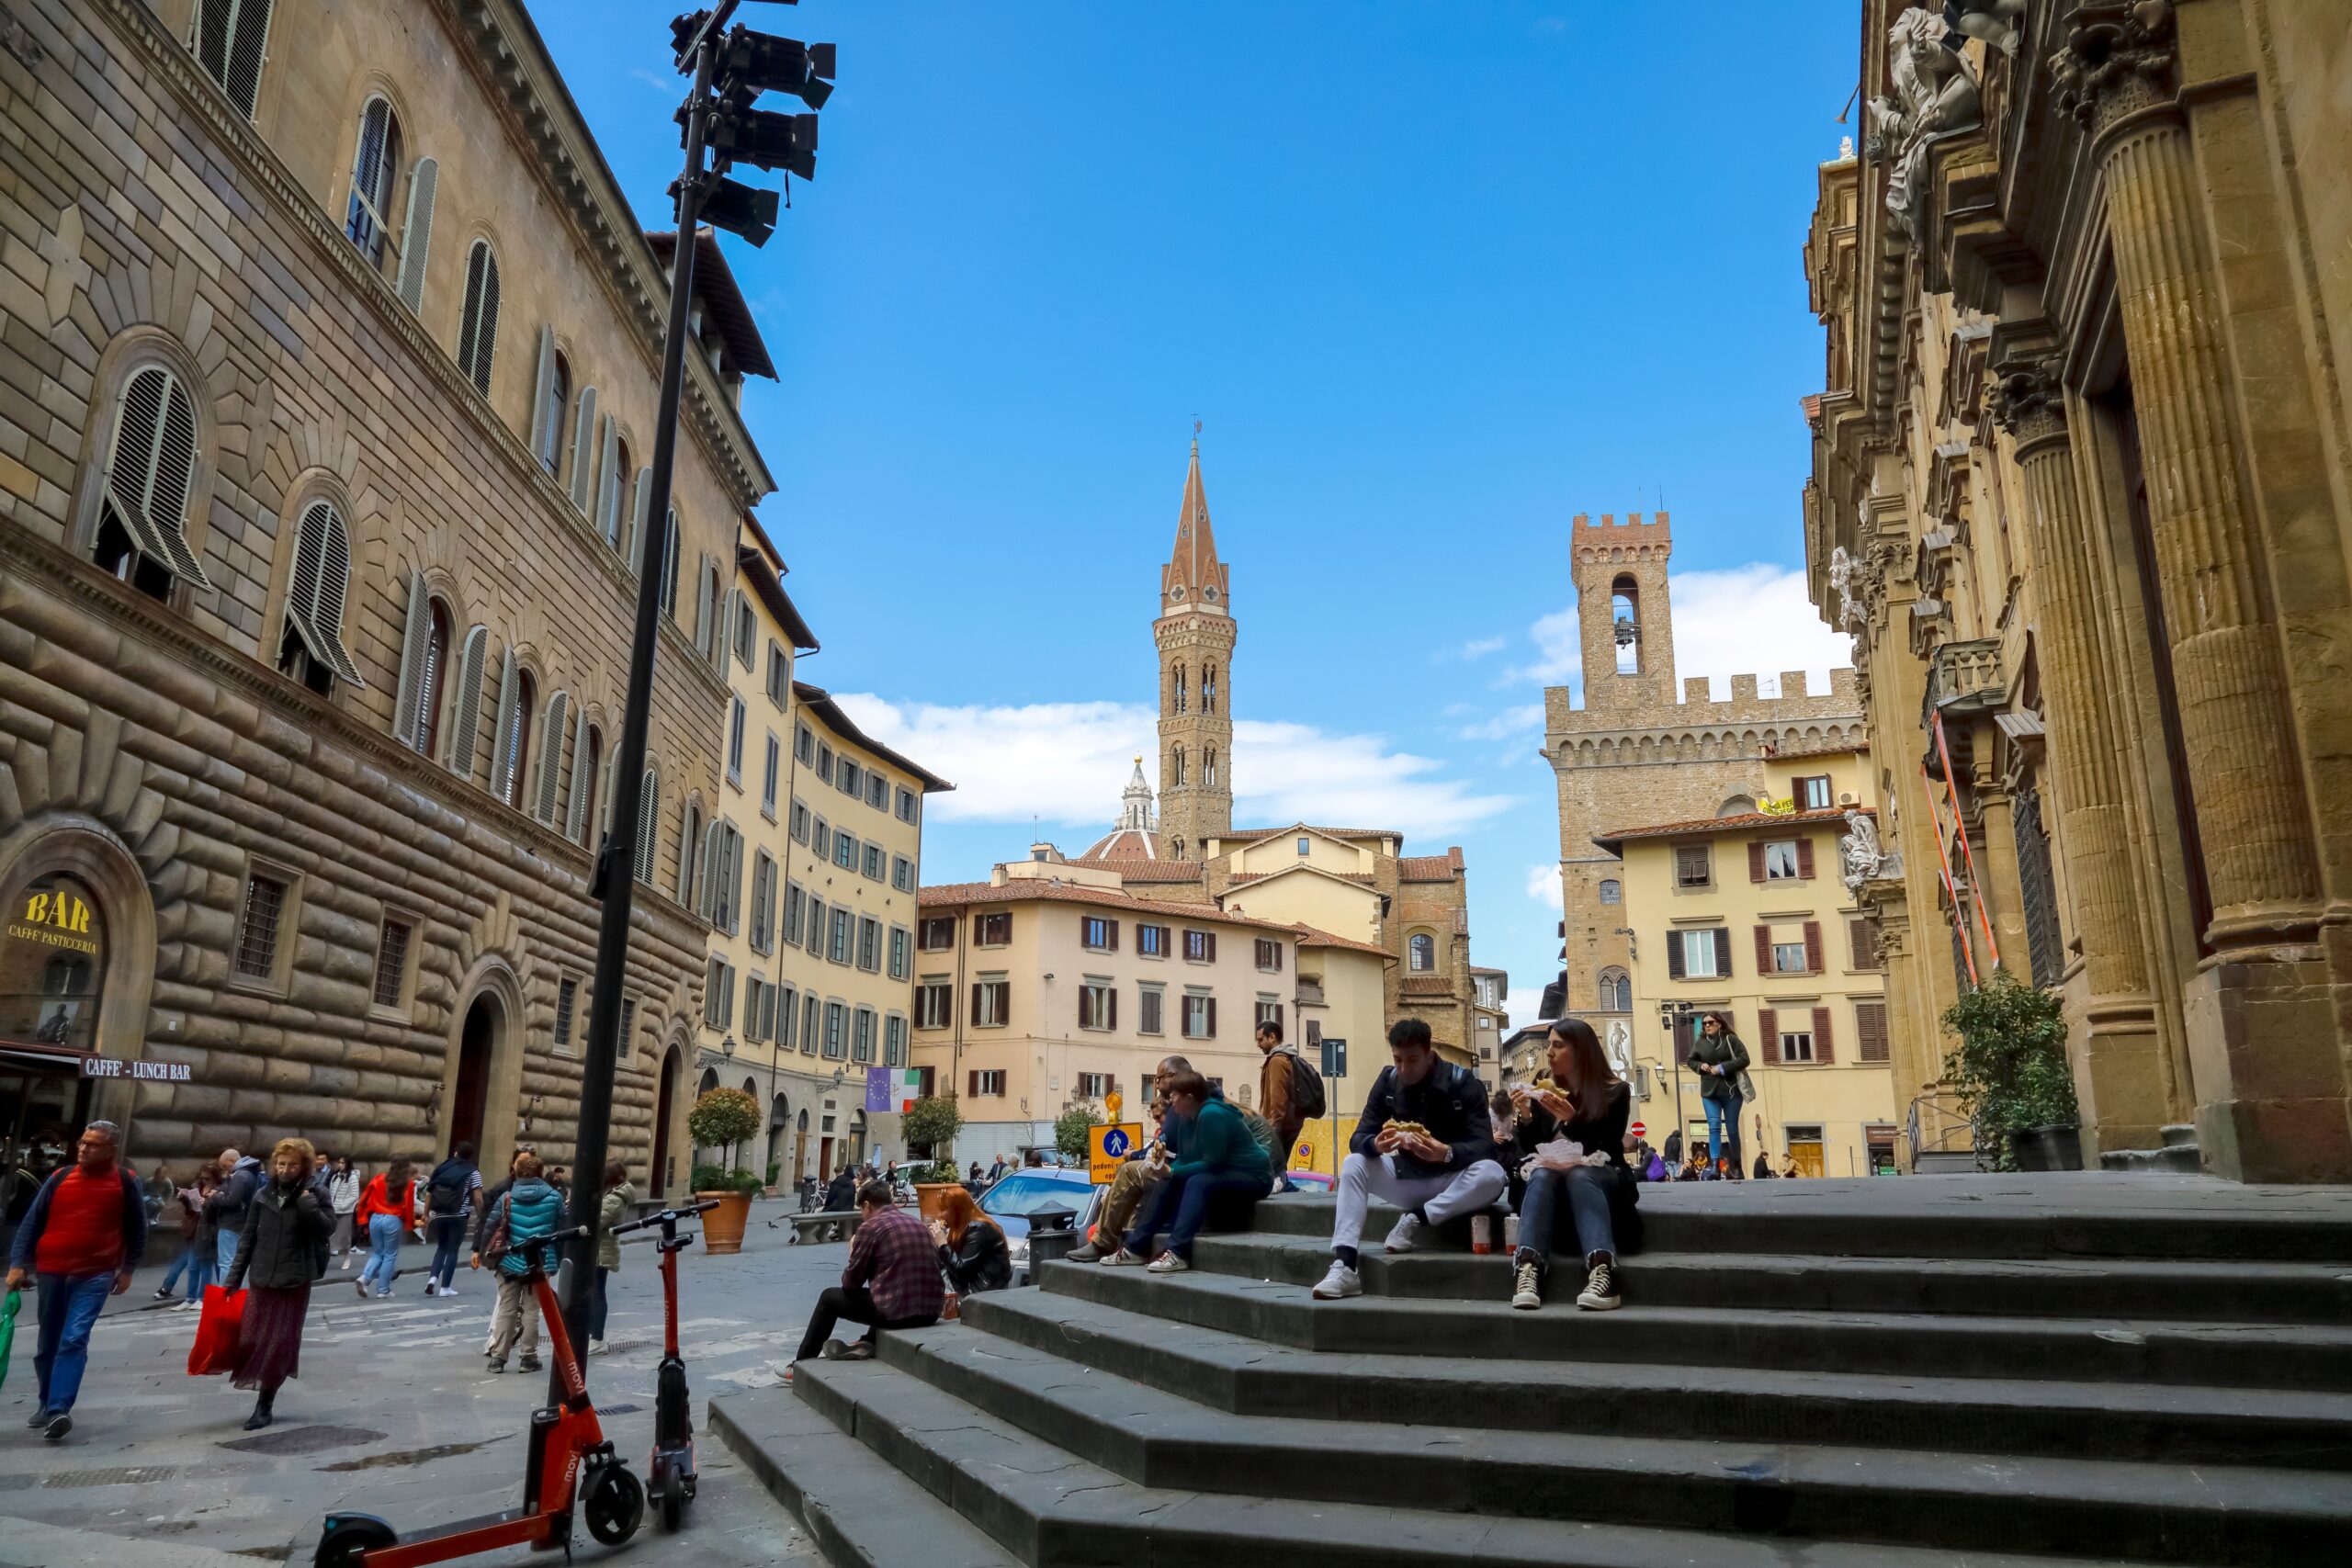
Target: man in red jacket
x: 83, y: 1235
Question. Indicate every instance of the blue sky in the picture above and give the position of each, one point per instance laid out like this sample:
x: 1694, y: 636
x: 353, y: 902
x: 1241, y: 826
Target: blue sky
x: 1434, y: 276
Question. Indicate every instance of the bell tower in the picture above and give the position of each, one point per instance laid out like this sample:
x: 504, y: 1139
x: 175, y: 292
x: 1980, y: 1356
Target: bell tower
x: 1626, y: 622
x: 1194, y: 635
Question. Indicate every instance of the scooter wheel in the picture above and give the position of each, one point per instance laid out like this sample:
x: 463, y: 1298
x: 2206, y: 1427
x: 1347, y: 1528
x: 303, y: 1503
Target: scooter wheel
x: 348, y: 1536
x: 615, y: 1505
x: 674, y: 1500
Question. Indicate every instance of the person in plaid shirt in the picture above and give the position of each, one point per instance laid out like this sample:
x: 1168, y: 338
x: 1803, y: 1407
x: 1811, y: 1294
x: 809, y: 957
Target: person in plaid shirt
x: 892, y: 1281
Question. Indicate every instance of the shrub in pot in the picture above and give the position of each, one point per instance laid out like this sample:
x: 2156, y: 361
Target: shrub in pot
x: 721, y: 1120
x: 2011, y: 1074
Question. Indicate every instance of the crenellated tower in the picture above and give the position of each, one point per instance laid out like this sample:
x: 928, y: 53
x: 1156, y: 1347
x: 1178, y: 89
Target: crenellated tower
x: 1194, y: 634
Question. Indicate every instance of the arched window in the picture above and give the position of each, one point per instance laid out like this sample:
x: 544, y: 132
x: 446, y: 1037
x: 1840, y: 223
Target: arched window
x: 689, y: 849
x: 53, y: 964
x: 1616, y: 991
x: 1422, y: 952
x: 1738, y: 806
x: 230, y: 36
x: 1611, y: 892
x: 1208, y: 762
x: 1177, y: 758
x: 587, y: 784
x: 375, y: 166
x: 1624, y: 612
x: 649, y: 818
x: 517, y: 754
x: 311, y: 649
x: 546, y: 784
x: 478, y: 322
x: 143, y: 511
x: 431, y: 676
x: 1179, y: 673
x: 465, y: 697
x: 1208, y: 691
x: 555, y: 405
x: 614, y: 491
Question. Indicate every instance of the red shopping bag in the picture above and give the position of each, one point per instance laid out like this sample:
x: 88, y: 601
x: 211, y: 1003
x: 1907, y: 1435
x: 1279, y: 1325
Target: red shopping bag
x: 215, y: 1349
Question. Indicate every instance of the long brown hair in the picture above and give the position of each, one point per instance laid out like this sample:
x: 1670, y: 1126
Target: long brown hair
x: 1591, y: 1077
x: 959, y: 1213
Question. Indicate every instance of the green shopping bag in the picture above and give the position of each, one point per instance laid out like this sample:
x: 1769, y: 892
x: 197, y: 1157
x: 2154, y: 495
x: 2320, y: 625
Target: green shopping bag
x: 8, y: 1329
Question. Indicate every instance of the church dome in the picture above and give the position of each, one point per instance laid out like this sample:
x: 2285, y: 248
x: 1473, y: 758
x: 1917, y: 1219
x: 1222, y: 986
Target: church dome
x: 1128, y: 844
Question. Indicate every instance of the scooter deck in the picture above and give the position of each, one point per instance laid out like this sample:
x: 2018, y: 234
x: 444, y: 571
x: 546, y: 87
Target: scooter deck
x: 509, y: 1528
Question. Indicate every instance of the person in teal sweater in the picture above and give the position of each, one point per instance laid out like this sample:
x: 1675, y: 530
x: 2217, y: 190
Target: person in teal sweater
x: 1223, y: 1174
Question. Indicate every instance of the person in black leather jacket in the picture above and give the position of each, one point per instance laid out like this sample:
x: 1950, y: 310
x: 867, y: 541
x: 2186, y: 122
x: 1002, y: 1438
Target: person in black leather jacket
x: 971, y: 1248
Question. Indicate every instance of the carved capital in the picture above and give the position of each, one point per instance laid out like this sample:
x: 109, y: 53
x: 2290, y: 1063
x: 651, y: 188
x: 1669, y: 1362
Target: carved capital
x: 2119, y: 56
x: 2030, y: 402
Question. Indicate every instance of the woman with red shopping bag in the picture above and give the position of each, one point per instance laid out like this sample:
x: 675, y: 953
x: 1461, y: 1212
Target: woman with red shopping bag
x: 284, y: 1250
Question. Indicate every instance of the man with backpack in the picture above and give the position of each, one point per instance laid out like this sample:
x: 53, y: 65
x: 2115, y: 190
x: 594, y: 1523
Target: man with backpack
x: 1290, y: 1094
x: 530, y: 1211
x: 449, y: 1197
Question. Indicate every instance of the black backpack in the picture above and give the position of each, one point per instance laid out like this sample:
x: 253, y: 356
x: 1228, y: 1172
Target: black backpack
x: 1307, y: 1088
x: 444, y: 1192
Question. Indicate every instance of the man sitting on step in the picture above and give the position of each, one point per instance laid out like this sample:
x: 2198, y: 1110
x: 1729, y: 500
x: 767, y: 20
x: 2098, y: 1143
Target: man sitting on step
x: 1425, y: 1143
x: 892, y: 1281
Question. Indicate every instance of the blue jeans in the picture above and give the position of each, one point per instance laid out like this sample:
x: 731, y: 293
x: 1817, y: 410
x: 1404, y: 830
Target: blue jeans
x: 448, y: 1232
x: 1722, y: 1127
x: 1191, y: 1199
x: 184, y: 1264
x: 69, y: 1304
x: 384, y: 1233
x: 198, y: 1262
x: 597, y: 1304
x: 227, y: 1245
x: 1587, y: 1188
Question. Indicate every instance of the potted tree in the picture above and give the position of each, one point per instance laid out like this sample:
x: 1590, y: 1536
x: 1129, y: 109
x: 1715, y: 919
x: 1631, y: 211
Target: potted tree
x: 931, y: 1124
x: 721, y: 1120
x: 2011, y: 1074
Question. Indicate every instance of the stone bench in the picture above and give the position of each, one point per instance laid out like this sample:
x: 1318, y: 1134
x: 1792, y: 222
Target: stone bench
x: 830, y: 1225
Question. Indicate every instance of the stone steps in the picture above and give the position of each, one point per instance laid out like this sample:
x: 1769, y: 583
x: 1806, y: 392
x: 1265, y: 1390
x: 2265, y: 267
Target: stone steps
x: 2128, y: 1288
x: 2094, y: 1350
x: 1049, y: 1508
x: 1243, y: 1376
x: 1163, y: 1440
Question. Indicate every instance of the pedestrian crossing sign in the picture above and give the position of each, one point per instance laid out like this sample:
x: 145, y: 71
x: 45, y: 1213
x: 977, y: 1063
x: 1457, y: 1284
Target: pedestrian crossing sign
x: 1109, y: 1146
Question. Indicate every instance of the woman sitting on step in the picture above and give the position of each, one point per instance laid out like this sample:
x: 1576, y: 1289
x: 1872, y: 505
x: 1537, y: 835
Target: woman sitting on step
x: 1222, y: 1174
x: 1590, y: 1109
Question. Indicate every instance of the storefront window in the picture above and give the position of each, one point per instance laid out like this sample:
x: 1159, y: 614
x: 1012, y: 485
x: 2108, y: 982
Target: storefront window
x: 52, y: 963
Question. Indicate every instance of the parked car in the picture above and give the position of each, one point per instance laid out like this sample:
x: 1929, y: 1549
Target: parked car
x: 1023, y: 1192
x: 1312, y: 1181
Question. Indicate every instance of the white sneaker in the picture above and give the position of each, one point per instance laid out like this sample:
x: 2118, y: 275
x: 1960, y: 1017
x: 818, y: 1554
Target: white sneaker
x: 1408, y: 1235
x: 1122, y: 1258
x: 346, y: 1263
x: 1168, y: 1263
x: 1341, y: 1282
x: 1527, y: 1285
x: 448, y: 1289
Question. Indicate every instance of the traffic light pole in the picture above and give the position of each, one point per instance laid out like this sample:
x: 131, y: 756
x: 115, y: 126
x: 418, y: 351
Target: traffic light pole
x: 616, y: 862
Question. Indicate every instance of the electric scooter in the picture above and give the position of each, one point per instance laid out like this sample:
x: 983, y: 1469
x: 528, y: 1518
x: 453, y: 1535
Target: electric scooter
x: 569, y: 1456
x: 670, y: 1471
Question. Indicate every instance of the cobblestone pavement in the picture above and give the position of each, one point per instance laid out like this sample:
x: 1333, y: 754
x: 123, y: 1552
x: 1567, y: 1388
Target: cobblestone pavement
x: 394, y: 1415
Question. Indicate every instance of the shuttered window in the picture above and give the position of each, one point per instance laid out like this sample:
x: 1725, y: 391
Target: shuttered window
x: 424, y: 656
x: 374, y: 165
x: 468, y: 698
x: 416, y: 232
x: 143, y: 513
x: 747, y: 631
x: 518, y: 703
x: 230, y: 39
x: 648, y: 831
x: 689, y: 851
x: 1869, y: 1032
x: 478, y: 322
x: 546, y: 784
x: 551, y: 403
x: 312, y: 650
x: 587, y: 783
x: 612, y: 462
x: 1861, y: 940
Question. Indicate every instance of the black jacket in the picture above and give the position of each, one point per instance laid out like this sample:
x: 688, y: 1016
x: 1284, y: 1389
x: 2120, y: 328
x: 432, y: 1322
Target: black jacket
x: 280, y: 1247
x: 234, y: 1198
x: 1604, y: 1130
x: 1725, y: 1050
x: 1451, y: 1102
x: 841, y: 1195
x: 982, y: 1263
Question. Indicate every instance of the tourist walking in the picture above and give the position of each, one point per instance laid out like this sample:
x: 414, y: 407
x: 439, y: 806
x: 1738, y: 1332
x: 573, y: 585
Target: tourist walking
x: 187, y: 1214
x: 344, y: 1185
x: 1721, y: 1062
x: 619, y: 1196
x: 240, y: 1177
x: 1223, y: 1174
x: 891, y: 1282
x: 386, y: 1205
x: 1425, y: 1141
x: 1588, y: 1108
x: 449, y: 1196
x: 78, y: 1242
x: 971, y: 1247
x: 528, y: 1211
x: 1290, y: 1093
x: 283, y: 1253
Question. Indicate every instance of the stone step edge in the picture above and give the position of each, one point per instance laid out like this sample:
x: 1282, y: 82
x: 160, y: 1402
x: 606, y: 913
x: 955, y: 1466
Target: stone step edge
x: 2258, y: 1516
x: 860, y: 1514
x: 1062, y: 1511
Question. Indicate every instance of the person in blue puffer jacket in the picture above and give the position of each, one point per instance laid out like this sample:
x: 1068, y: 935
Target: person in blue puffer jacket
x: 529, y: 1211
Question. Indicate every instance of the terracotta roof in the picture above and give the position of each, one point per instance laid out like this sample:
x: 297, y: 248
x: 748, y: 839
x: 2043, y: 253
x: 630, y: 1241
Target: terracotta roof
x: 1310, y: 937
x: 1431, y: 868
x: 1127, y: 844
x: 1155, y: 870
x: 1425, y: 985
x: 1257, y: 835
x: 1033, y: 889
x: 819, y: 702
x: 1810, y: 403
x: 715, y: 284
x: 1847, y: 748
x: 1745, y: 821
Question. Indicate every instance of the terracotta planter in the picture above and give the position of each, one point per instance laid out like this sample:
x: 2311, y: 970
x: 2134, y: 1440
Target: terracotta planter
x: 931, y: 1197
x: 722, y: 1228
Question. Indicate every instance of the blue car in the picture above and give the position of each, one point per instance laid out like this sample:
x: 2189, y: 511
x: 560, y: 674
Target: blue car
x: 1020, y: 1193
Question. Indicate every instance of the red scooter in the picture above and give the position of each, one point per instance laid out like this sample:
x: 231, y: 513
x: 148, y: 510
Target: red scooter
x: 670, y: 1471
x: 569, y: 1455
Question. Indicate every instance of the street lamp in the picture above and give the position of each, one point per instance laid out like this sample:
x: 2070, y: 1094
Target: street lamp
x: 1674, y: 1017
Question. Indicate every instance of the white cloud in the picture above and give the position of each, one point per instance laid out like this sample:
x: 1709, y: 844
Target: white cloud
x: 1478, y: 648
x: 1065, y: 764
x: 1741, y: 620
x: 1543, y: 884
x: 1525, y: 718
x: 668, y: 86
x: 1559, y: 655
x: 1524, y: 1004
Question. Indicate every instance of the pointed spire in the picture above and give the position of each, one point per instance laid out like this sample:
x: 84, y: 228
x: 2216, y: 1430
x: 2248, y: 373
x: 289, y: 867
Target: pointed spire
x: 1135, y: 805
x: 1195, y: 578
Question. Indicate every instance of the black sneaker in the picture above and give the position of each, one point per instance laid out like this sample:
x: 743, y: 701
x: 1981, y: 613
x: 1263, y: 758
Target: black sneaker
x: 163, y: 1294
x: 1599, y: 1292
x: 39, y: 1418
x: 529, y: 1363
x: 59, y: 1425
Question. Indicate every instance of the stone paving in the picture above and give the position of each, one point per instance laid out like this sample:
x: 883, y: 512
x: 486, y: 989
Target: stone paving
x: 393, y: 1416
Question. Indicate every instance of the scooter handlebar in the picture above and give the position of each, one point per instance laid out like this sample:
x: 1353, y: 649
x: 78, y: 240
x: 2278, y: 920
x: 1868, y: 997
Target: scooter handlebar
x: 681, y: 1212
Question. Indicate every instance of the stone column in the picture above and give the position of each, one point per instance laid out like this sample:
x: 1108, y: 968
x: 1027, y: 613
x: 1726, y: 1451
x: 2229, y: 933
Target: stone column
x: 2123, y: 1077
x: 2262, y: 1043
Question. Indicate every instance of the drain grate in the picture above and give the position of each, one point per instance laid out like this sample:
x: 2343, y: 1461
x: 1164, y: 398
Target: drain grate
x: 134, y: 1475
x: 304, y: 1439
x: 618, y: 1409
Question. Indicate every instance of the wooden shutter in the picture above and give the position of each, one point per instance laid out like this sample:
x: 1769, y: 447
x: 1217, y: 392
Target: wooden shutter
x: 975, y: 1020
x: 228, y: 44
x: 1859, y: 946
x: 1212, y: 957
x: 702, y: 606
x: 1723, y: 952
x: 584, y: 450
x: 584, y: 779
x: 1674, y: 956
x: 407, y: 700
x: 501, y: 784
x: 416, y: 231
x: 1813, y: 955
x: 638, y: 512
x: 543, y: 789
x: 608, y: 485
x: 648, y: 831
x: 706, y: 892
x: 152, y: 465
x: 1278, y: 1019
x: 1804, y: 855
x: 320, y: 580
x: 478, y: 322
x: 1114, y: 927
x: 1869, y: 1032
x: 1763, y: 950
x: 462, y: 745
x: 1110, y: 995
x: 972, y: 1078
x: 1755, y: 861
x: 543, y: 391
x: 1821, y: 1046
x: 1768, y: 1028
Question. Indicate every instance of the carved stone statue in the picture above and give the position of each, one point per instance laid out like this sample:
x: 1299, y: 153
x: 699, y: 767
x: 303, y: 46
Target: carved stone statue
x: 1935, y: 97
x: 1995, y: 21
x: 1861, y: 852
x: 1851, y: 611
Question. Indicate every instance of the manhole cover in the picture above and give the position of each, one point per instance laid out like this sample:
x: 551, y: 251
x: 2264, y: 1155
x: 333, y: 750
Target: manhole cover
x: 136, y: 1475
x: 617, y: 1409
x: 304, y: 1439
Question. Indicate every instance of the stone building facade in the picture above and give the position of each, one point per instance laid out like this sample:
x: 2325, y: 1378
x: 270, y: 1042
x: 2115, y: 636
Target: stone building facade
x: 2081, y: 486
x: 1642, y: 749
x: 318, y: 559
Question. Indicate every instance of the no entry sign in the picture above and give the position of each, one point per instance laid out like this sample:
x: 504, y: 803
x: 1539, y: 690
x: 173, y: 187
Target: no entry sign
x: 1638, y: 1130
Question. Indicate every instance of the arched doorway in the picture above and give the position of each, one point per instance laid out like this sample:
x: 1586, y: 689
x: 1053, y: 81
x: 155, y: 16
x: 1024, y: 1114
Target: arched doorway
x: 800, y: 1144
x: 469, y: 1100
x: 665, y: 1100
x: 779, y: 1126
